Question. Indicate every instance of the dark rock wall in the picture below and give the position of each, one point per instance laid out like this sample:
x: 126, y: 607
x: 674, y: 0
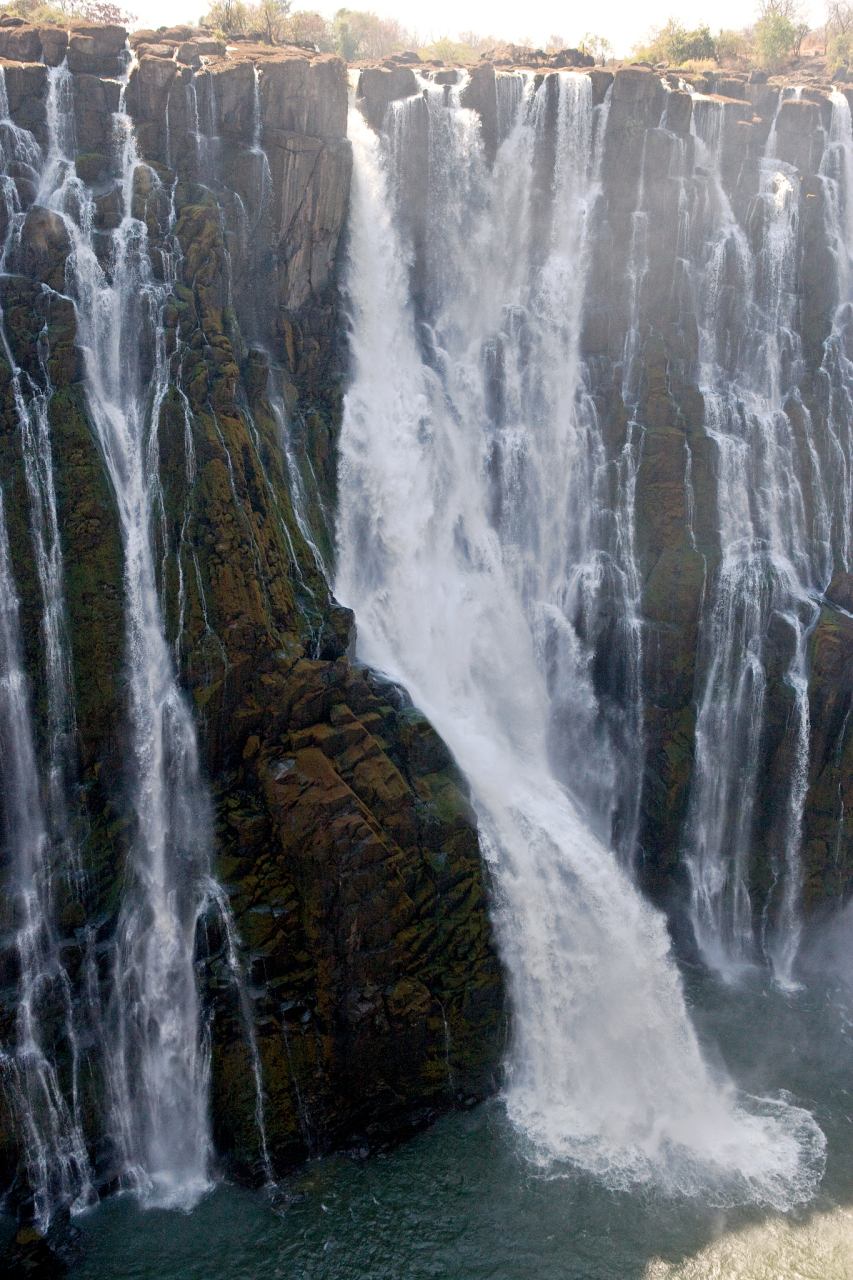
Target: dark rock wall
x: 344, y: 836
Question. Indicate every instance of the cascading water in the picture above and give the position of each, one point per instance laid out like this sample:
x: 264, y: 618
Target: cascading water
x: 156, y: 1060
x: 470, y: 522
x: 773, y: 559
x: 36, y: 830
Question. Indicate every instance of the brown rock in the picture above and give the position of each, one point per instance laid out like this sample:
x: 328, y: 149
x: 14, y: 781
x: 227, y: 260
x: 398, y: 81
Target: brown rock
x: 679, y: 112
x: 21, y: 43
x: 189, y: 54
x: 601, y: 82
x: 54, y: 45
x: 95, y: 49
x: 155, y: 51
x: 377, y: 86
x: 840, y: 591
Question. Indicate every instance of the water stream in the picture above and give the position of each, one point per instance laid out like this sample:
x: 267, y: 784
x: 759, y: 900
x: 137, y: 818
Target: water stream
x: 156, y: 1059
x: 460, y: 570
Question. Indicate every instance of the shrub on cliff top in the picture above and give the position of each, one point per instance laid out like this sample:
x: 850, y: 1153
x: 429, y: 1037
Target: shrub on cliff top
x: 64, y: 11
x: 775, y: 36
x: 674, y: 44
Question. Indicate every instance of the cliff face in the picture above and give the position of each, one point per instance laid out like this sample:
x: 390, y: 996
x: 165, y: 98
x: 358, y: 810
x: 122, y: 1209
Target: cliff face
x: 714, y: 348
x: 342, y: 831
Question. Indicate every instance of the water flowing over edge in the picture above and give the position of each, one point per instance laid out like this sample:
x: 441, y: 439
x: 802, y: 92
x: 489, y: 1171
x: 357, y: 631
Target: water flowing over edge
x: 605, y: 1070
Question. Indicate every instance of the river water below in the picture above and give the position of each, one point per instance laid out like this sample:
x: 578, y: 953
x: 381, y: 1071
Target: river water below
x: 461, y: 1201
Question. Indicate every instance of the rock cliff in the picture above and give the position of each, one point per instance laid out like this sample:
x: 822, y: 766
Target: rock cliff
x: 343, y: 835
x: 343, y: 832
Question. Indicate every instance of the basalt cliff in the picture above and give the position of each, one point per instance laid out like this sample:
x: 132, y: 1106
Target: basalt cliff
x: 348, y: 977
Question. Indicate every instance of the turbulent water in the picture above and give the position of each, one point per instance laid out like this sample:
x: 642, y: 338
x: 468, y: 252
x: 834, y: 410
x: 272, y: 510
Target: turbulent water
x: 461, y: 1201
x: 471, y: 535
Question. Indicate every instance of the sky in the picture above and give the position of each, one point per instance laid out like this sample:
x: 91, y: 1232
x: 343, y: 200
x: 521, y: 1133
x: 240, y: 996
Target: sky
x: 622, y: 22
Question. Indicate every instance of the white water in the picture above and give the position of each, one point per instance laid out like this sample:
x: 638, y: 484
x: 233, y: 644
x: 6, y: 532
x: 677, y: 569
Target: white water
x: 157, y: 1062
x: 773, y: 562
x: 459, y: 592
x: 35, y: 821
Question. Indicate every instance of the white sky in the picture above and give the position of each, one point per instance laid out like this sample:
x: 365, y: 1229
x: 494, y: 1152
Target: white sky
x: 623, y: 22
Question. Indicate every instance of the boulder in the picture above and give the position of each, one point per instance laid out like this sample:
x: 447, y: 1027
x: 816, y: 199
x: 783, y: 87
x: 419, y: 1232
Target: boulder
x: 210, y: 48
x: 601, y: 82
x: 155, y: 51
x: 188, y: 53
x: 679, y: 112
x: 796, y: 130
x: 840, y: 592
x: 44, y: 247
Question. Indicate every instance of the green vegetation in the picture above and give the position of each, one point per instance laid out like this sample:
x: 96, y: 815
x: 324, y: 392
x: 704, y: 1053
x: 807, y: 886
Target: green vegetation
x: 353, y: 33
x: 62, y: 12
x: 774, y: 39
x: 839, y: 37
x: 778, y: 33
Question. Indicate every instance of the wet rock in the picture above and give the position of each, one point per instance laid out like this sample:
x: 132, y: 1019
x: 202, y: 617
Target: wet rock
x: 796, y: 129
x: 44, y: 247
x: 840, y: 591
x: 480, y: 94
x: 54, y: 45
x: 679, y: 112
x: 378, y: 86
x: 601, y: 82
x: 32, y: 1255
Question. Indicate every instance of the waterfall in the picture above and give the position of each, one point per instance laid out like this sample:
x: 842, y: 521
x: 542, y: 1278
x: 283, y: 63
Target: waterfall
x: 157, y: 1063
x: 35, y: 821
x: 472, y: 544
x: 773, y: 561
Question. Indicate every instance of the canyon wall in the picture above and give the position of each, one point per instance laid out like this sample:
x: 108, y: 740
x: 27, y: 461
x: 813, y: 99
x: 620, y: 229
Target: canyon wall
x: 342, y: 831
x: 343, y: 834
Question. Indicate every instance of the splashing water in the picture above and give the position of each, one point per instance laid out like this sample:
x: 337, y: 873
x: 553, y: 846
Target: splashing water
x: 452, y: 561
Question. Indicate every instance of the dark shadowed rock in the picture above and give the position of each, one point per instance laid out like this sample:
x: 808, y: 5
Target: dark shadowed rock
x: 840, y: 591
x: 480, y: 95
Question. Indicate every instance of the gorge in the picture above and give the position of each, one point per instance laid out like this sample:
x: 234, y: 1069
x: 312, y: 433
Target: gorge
x: 425, y: 576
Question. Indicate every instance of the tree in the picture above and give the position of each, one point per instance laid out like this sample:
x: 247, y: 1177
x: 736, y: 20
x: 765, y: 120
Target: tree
x: 598, y: 46
x: 775, y: 36
x: 273, y: 15
x: 307, y: 27
x: 228, y: 16
x: 801, y: 30
x: 674, y: 44
x: 838, y: 35
x: 792, y: 10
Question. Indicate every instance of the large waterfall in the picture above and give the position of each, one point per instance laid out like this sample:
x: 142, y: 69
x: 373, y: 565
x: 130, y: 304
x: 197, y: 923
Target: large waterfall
x: 476, y: 530
x: 426, y: 642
